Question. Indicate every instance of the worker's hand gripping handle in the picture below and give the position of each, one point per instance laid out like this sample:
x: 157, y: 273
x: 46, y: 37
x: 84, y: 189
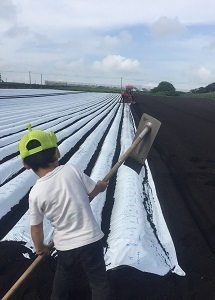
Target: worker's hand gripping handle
x: 16, y: 285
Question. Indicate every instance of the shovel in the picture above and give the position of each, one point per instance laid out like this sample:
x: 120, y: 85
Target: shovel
x: 134, y: 158
x: 30, y: 269
x: 136, y: 154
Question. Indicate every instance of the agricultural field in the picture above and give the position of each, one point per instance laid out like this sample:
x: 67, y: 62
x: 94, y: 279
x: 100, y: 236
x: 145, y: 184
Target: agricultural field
x: 147, y: 218
x: 182, y: 162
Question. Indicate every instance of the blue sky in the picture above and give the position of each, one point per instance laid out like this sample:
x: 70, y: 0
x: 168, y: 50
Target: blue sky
x: 85, y: 41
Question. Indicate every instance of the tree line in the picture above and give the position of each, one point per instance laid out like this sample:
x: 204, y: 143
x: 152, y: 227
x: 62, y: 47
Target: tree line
x: 208, y: 89
x: 167, y: 88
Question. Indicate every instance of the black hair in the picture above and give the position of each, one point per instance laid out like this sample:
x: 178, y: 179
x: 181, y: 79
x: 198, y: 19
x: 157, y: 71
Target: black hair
x: 41, y: 159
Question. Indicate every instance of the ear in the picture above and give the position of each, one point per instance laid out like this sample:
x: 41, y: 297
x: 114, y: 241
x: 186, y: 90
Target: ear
x: 26, y: 166
x: 57, y: 154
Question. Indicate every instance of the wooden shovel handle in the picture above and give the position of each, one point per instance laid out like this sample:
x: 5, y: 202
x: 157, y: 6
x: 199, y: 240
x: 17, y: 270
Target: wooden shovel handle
x: 128, y: 152
x: 30, y: 269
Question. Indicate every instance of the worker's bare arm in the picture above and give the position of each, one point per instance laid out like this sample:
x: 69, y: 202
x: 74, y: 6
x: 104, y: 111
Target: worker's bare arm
x: 38, y: 237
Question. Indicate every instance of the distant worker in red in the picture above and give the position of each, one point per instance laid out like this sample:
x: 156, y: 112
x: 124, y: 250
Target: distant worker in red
x: 123, y: 97
x: 126, y: 97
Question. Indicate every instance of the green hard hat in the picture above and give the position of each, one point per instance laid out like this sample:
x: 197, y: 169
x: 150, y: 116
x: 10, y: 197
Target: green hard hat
x: 45, y: 140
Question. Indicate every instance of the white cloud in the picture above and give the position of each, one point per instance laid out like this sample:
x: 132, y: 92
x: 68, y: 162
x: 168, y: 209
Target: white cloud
x: 199, y: 75
x: 16, y: 31
x: 7, y: 10
x: 113, y: 42
x: 80, y: 37
x: 112, y: 13
x: 8, y: 15
x: 76, y: 65
x: 204, y: 75
x: 167, y: 27
x: 211, y: 45
x: 116, y: 63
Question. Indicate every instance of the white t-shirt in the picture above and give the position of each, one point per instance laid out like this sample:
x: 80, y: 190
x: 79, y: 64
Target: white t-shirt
x: 61, y: 196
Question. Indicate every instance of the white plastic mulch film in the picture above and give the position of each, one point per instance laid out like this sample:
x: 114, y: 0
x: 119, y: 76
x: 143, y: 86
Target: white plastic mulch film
x: 138, y: 235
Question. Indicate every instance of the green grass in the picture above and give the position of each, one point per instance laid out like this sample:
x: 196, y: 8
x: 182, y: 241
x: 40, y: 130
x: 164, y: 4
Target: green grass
x: 210, y: 95
x: 85, y: 88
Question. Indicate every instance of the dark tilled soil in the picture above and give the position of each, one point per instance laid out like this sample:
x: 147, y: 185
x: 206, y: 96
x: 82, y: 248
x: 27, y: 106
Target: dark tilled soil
x: 182, y: 162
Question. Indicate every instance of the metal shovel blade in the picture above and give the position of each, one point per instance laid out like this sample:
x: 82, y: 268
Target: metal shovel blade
x: 141, y: 151
x: 136, y: 154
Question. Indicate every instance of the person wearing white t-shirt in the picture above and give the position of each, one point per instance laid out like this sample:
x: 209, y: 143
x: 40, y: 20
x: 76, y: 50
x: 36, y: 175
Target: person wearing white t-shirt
x: 63, y: 195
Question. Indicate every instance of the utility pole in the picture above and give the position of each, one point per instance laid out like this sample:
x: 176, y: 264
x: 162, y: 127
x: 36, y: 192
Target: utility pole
x: 121, y: 84
x: 41, y: 80
x: 30, y: 78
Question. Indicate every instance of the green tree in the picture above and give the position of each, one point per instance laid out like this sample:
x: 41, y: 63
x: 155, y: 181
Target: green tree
x: 210, y: 88
x: 164, y: 86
